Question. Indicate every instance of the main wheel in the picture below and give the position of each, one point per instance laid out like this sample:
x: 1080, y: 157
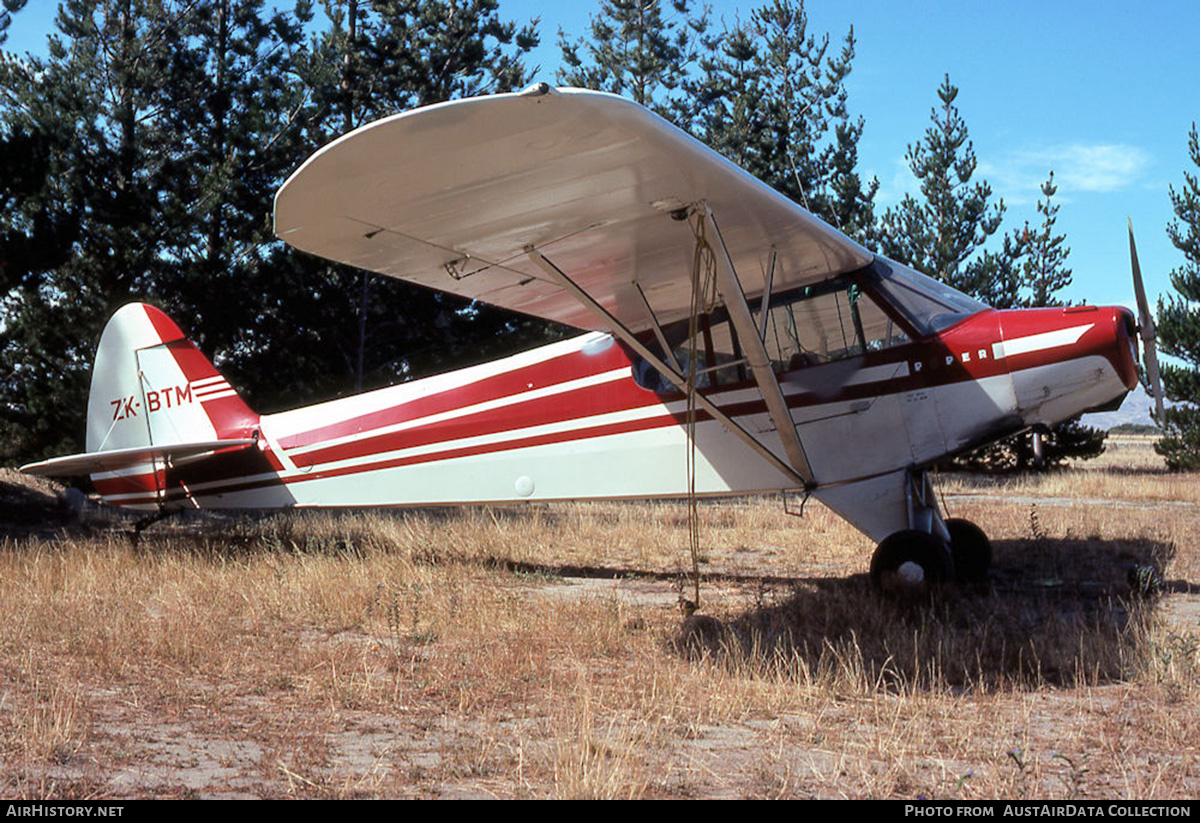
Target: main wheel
x: 971, y: 549
x: 911, y: 561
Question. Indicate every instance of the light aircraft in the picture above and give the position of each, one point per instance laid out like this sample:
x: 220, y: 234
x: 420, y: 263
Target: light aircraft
x: 731, y: 343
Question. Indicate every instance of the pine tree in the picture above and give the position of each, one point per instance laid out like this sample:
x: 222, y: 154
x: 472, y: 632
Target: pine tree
x: 161, y: 131
x: 144, y: 154
x: 236, y: 112
x: 805, y: 98
x: 1030, y: 269
x: 7, y: 7
x: 90, y: 107
x: 428, y: 52
x: 725, y: 100
x: 776, y: 104
x: 374, y: 60
x: 637, y: 49
x: 1179, y: 326
x: 945, y: 236
x: 849, y: 202
x: 941, y: 235
x: 1044, y: 266
x: 1030, y: 272
x: 382, y: 57
x: 1045, y: 275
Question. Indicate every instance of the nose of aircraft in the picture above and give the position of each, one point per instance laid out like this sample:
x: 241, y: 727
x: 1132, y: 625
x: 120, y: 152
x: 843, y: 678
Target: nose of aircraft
x: 1066, y: 361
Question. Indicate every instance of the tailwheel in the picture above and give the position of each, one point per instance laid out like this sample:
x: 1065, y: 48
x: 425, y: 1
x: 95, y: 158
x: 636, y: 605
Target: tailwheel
x: 911, y: 562
x: 971, y: 549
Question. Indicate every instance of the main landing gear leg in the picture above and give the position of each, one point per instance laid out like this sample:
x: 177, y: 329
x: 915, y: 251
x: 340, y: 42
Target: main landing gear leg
x: 931, y: 551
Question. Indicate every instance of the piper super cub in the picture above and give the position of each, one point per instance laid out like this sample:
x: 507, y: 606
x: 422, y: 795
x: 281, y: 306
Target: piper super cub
x: 717, y: 317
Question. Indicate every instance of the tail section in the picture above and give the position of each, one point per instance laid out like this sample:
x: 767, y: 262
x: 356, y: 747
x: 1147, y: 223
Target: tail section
x: 158, y: 410
x: 151, y: 386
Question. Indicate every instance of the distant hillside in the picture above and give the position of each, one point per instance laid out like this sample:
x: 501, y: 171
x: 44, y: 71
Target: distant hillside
x: 1135, y: 410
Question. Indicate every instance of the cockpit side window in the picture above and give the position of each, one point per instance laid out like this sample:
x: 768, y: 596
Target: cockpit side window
x: 826, y: 322
x: 877, y: 308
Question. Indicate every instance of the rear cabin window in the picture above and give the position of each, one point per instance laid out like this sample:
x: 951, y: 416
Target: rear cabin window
x: 719, y: 358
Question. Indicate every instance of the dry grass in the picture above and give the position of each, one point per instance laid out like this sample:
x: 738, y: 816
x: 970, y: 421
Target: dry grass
x: 539, y: 652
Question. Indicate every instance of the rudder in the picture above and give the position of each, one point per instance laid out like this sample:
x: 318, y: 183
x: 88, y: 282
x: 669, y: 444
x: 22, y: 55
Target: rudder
x: 151, y: 386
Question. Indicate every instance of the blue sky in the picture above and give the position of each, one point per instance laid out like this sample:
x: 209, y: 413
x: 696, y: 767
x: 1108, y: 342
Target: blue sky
x: 1101, y: 92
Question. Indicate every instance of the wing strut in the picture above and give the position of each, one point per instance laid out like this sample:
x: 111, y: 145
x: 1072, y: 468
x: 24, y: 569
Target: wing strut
x: 671, y: 375
x: 754, y: 350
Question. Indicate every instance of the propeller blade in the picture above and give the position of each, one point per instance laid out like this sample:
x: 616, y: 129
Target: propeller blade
x: 1146, y: 329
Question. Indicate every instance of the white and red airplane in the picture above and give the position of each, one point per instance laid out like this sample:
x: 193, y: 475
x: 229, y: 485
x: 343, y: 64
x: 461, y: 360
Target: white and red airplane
x: 803, y: 361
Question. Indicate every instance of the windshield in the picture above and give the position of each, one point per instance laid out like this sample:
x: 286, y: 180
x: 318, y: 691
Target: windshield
x: 929, y: 304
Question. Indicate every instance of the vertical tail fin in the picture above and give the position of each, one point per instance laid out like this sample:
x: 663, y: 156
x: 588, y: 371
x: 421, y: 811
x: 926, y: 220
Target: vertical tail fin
x: 164, y: 428
x: 152, y: 387
x: 155, y: 401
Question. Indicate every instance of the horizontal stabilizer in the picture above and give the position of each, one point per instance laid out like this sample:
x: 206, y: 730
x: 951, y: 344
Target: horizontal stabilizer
x: 74, y: 465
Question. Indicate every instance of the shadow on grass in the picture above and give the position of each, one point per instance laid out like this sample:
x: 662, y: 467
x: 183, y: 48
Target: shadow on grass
x: 1055, y: 612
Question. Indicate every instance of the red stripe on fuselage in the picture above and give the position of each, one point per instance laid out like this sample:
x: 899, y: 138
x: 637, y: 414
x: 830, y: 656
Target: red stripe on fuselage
x: 570, y: 366
x: 516, y: 444
x: 610, y: 397
x: 588, y: 401
x: 661, y: 421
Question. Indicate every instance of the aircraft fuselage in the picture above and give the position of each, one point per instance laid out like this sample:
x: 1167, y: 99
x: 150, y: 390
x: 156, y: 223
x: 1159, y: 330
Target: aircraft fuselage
x: 570, y: 420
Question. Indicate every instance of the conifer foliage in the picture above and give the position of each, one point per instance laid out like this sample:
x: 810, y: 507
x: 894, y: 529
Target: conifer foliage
x: 945, y: 233
x: 766, y: 92
x: 139, y: 160
x: 638, y: 49
x: 1044, y: 268
x: 773, y: 97
x: 941, y: 233
x: 153, y: 133
x: 1179, y: 325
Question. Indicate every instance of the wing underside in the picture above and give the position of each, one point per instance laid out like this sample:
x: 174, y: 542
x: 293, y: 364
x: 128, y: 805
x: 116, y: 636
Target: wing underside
x: 456, y: 196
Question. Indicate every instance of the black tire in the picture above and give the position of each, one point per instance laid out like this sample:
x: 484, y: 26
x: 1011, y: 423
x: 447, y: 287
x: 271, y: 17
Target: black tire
x: 971, y: 549
x: 911, y: 561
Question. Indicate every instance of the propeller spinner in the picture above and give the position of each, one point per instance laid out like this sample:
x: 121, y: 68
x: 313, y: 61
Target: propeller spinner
x: 1146, y: 330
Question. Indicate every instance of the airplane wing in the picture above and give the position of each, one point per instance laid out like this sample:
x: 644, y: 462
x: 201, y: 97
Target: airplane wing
x: 77, y: 465
x: 454, y: 196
